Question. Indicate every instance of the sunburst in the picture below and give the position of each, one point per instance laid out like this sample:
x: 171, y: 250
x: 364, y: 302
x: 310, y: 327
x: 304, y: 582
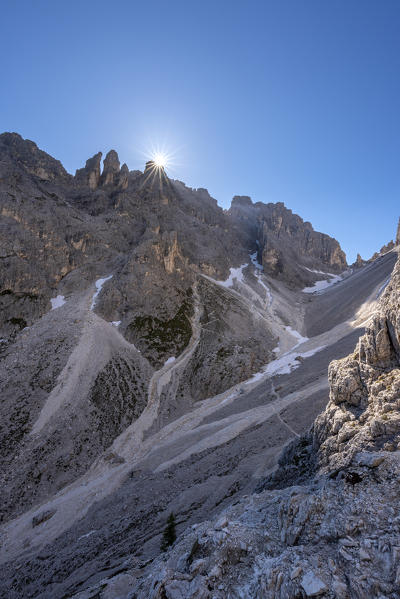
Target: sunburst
x: 160, y: 160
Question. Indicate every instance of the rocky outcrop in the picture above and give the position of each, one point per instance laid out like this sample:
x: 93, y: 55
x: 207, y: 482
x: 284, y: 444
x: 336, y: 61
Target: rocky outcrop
x: 90, y: 174
x: 111, y: 168
x: 285, y: 243
x: 123, y: 179
x: 359, y: 261
x: 92, y: 177
x: 384, y: 249
x: 18, y: 154
x: 363, y: 412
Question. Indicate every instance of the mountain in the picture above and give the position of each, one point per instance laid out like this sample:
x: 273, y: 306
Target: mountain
x: 157, y: 354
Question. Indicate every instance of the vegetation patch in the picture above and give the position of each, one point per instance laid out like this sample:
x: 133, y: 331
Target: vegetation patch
x: 18, y: 322
x: 157, y: 338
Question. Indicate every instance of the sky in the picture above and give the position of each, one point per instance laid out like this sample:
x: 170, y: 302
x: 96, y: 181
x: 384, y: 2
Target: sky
x: 294, y: 101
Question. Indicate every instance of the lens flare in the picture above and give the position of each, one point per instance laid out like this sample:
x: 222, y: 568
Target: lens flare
x: 160, y: 160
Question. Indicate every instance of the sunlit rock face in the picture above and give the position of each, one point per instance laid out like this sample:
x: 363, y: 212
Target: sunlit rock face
x: 90, y: 174
x: 363, y: 412
x: 22, y: 155
x: 111, y: 168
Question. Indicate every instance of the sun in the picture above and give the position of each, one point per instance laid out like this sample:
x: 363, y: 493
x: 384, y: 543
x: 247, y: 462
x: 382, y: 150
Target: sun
x: 160, y: 160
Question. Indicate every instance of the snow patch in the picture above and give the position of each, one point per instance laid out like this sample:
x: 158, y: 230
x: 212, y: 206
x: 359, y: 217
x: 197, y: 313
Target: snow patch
x: 256, y: 264
x: 235, y: 274
x: 268, y: 292
x: 57, y: 302
x: 381, y: 289
x: 116, y: 323
x: 283, y: 365
x: 319, y: 272
x: 296, y: 335
x: 99, y: 284
x: 170, y: 360
x: 322, y: 285
x: 259, y: 268
x: 88, y: 534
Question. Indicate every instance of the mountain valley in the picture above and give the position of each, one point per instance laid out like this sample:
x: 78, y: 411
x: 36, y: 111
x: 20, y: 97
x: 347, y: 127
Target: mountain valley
x: 160, y: 354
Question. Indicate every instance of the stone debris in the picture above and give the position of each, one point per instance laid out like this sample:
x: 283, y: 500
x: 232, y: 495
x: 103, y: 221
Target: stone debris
x: 312, y: 585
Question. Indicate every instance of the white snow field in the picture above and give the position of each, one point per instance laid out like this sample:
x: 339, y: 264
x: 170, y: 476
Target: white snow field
x: 99, y: 284
x: 57, y: 302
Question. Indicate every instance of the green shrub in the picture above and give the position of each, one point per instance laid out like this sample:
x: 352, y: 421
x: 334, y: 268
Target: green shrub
x: 169, y: 534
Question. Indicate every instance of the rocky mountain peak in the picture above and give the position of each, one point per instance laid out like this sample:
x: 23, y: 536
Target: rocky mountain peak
x: 155, y: 177
x: 150, y: 164
x: 241, y: 201
x: 124, y: 176
x: 153, y: 167
x: 92, y: 177
x: 90, y: 174
x: 18, y: 152
x: 111, y: 168
x: 398, y: 234
x: 285, y: 241
x: 359, y: 261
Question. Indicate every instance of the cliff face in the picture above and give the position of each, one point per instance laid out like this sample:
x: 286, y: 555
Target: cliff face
x: 53, y: 224
x: 363, y: 413
x: 151, y: 241
x: 285, y: 243
x: 155, y: 234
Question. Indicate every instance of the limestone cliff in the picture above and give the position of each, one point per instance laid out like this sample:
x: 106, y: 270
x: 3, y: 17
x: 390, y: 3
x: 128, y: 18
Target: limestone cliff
x: 284, y: 242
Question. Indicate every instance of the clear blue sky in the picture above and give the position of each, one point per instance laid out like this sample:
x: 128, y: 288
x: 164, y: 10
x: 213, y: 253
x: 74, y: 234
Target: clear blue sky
x: 288, y: 100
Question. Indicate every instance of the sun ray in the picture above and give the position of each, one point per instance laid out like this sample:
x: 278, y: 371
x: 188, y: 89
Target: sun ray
x: 160, y: 160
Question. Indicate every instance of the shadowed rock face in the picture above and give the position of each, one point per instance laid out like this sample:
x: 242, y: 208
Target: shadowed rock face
x: 284, y: 241
x: 20, y: 155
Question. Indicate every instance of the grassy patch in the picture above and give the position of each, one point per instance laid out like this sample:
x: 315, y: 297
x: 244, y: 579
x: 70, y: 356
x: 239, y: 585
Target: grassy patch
x: 163, y: 336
